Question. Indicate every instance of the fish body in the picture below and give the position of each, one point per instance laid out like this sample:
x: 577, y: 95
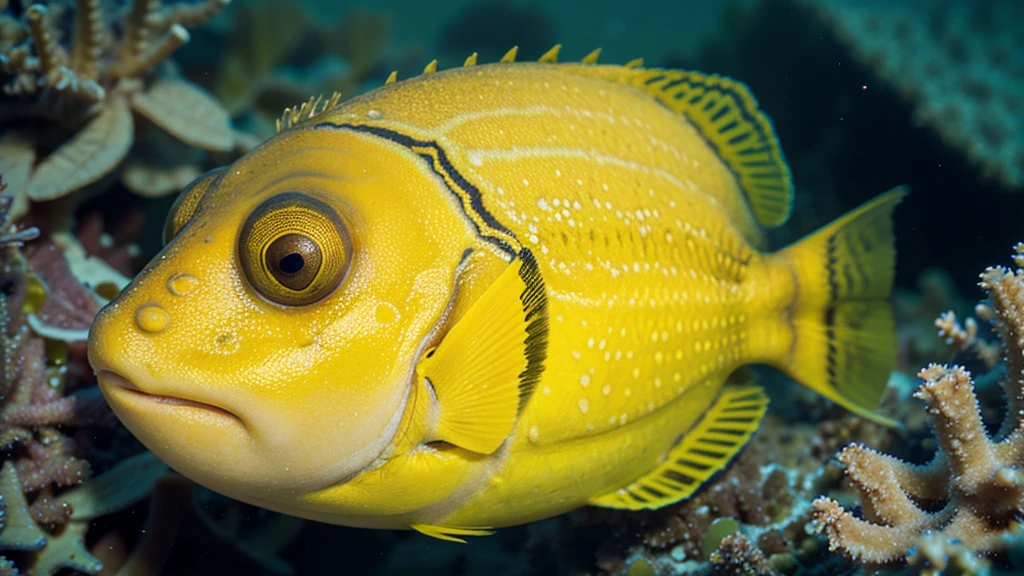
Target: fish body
x: 534, y: 282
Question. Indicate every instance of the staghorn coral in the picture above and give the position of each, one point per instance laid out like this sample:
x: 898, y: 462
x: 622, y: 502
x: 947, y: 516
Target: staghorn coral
x: 965, y: 337
x: 76, y: 113
x: 978, y: 480
x: 958, y: 63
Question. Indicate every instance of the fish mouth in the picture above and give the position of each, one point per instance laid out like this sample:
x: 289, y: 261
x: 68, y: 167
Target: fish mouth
x: 113, y: 380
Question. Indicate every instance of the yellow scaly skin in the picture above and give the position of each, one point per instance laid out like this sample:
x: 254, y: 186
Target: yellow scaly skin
x: 644, y: 240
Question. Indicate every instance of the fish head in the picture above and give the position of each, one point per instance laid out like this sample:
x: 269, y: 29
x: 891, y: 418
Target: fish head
x: 268, y: 349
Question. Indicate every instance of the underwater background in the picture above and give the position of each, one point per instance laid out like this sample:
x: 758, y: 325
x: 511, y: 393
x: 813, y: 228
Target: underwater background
x: 97, y: 139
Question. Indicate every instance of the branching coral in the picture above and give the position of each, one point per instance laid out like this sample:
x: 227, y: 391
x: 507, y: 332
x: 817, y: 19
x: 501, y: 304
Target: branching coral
x: 978, y: 480
x: 75, y: 111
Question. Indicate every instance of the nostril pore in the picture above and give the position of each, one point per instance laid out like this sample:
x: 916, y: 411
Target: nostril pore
x: 182, y: 284
x: 152, y: 318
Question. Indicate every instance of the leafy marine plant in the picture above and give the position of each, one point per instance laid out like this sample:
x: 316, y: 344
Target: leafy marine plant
x: 75, y: 113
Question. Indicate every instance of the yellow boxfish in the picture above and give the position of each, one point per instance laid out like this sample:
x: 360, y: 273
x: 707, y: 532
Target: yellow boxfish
x: 490, y: 295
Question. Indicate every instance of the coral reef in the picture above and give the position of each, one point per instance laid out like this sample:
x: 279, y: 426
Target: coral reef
x: 972, y: 492
x: 77, y: 113
x: 959, y: 64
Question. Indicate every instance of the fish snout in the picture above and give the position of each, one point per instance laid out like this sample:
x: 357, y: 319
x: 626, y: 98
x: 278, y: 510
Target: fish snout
x: 122, y: 332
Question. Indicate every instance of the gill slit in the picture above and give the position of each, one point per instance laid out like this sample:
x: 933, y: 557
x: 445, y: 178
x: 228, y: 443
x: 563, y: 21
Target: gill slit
x: 430, y: 341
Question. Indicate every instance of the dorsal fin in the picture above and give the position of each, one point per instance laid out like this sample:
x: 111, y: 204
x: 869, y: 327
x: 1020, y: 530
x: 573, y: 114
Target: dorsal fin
x: 315, y: 106
x: 726, y: 115
x: 722, y: 110
x: 510, y: 56
x: 551, y: 56
x: 471, y: 61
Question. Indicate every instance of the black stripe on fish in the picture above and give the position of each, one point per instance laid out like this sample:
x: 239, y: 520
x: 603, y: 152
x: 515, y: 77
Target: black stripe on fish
x: 470, y: 199
x: 535, y: 305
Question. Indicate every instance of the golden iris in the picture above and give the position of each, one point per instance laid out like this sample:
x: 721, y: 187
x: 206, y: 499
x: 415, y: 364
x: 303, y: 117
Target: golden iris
x: 185, y: 205
x: 294, y: 249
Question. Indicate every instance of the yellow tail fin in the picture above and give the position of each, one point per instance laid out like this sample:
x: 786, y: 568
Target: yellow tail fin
x: 845, y: 342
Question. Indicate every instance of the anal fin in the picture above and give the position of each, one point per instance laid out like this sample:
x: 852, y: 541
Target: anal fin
x: 707, y: 448
x: 487, y: 365
x: 450, y: 533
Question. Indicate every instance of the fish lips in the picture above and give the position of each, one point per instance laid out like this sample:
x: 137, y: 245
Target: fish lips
x: 112, y: 383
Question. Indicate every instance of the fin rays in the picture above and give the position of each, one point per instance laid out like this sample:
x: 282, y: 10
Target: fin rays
x: 707, y: 448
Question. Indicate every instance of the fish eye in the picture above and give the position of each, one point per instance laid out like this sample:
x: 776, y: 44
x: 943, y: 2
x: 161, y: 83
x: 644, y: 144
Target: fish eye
x: 294, y: 249
x: 185, y: 205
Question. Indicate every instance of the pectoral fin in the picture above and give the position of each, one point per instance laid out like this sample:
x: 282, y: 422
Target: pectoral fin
x: 487, y: 365
x: 706, y: 449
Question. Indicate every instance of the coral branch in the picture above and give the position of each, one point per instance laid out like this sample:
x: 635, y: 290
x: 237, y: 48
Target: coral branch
x: 949, y: 396
x: 88, y: 38
x: 137, y: 30
x: 874, y: 477
x: 155, y: 53
x: 46, y: 47
x: 859, y: 539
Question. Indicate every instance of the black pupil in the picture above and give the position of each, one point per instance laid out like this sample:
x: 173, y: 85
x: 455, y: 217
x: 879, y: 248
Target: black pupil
x: 291, y: 264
